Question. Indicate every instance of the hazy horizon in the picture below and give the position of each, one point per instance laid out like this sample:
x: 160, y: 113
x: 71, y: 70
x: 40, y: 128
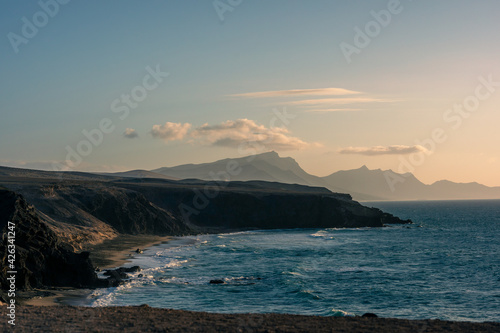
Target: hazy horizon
x: 401, y: 85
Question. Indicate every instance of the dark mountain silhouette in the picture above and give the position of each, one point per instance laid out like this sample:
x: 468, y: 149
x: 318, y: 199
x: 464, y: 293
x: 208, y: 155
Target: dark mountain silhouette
x: 362, y: 184
x: 268, y: 167
x: 365, y: 184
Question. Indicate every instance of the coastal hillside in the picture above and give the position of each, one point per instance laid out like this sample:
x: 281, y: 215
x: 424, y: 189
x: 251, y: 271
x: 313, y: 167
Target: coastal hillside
x: 60, y: 216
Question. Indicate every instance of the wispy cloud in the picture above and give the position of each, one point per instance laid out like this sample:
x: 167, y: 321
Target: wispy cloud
x: 233, y: 133
x: 298, y: 92
x: 320, y: 100
x: 130, y: 133
x: 338, y: 101
x: 383, y: 150
x: 170, y: 131
x: 333, y: 110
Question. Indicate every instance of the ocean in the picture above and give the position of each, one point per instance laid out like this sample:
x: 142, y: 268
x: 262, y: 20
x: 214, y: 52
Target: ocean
x: 444, y: 266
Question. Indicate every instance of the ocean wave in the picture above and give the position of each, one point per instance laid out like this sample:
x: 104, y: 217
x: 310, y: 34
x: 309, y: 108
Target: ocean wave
x: 238, y: 280
x: 339, y: 313
x: 309, y: 294
x: 361, y: 269
x: 241, y: 280
x: 322, y: 234
x: 224, y: 235
x: 107, y: 297
x: 350, y: 229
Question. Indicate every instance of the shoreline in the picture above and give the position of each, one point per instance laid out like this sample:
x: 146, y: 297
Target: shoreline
x: 120, y: 250
x: 110, y: 254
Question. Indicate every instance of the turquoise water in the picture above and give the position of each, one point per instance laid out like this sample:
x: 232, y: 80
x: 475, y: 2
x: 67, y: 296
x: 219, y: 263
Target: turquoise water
x: 446, y: 266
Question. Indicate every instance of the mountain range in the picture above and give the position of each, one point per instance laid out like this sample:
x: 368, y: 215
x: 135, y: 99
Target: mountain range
x: 362, y: 184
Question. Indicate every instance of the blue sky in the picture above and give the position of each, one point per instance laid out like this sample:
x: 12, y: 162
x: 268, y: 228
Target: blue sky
x: 390, y: 97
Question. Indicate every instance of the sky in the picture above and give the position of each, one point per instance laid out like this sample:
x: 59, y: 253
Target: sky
x: 412, y: 86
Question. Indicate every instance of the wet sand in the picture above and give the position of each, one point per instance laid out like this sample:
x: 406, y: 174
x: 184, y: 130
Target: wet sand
x: 146, y: 319
x: 117, y: 251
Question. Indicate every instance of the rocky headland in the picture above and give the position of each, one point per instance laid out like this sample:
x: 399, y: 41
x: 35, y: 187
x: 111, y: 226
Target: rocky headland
x: 58, y: 217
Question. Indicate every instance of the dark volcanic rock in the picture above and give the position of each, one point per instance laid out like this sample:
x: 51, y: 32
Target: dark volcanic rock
x: 127, y: 211
x: 41, y: 259
x: 122, y: 271
x: 241, y: 208
x: 118, y: 276
x: 216, y: 282
x: 284, y: 211
x: 132, y: 269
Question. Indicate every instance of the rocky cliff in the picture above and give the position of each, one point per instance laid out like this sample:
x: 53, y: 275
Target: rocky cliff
x: 203, y: 205
x: 41, y: 259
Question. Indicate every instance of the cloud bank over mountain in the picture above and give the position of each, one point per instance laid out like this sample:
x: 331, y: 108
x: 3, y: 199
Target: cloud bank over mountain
x: 383, y: 150
x: 232, y: 133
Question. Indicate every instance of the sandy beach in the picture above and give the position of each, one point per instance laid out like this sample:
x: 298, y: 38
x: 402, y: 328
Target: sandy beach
x: 117, y: 251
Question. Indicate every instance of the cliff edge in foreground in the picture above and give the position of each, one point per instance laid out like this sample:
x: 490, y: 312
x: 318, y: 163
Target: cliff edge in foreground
x: 40, y: 258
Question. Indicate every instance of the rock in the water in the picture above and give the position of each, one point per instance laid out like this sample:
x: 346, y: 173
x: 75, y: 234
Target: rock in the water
x: 217, y: 282
x: 132, y: 269
x: 369, y: 315
x: 119, y: 275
